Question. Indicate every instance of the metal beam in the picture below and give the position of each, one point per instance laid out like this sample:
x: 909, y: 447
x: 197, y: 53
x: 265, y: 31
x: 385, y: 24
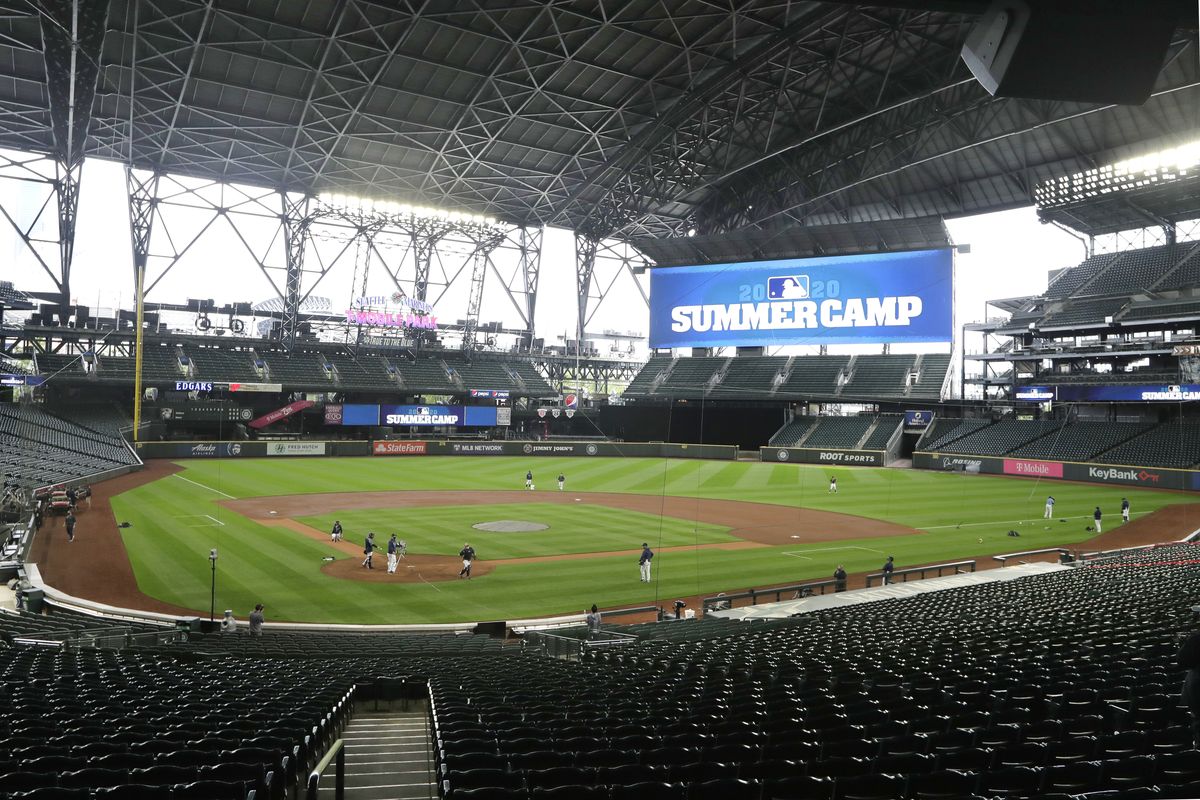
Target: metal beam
x: 585, y: 266
x: 295, y: 221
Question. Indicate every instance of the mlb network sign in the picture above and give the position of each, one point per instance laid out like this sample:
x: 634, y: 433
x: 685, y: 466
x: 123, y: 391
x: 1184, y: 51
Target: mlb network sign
x: 884, y: 297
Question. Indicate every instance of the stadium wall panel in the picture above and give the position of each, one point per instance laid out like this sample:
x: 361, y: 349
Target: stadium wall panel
x: 1147, y: 477
x: 226, y: 449
x: 697, y: 422
x: 824, y: 455
x: 433, y: 448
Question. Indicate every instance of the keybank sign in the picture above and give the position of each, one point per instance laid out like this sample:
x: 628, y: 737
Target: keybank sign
x: 886, y: 297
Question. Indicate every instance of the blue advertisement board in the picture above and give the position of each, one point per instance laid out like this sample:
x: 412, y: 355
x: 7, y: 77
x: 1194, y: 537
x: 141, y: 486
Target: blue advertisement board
x: 879, y: 297
x: 420, y: 416
x: 917, y: 419
x: 1133, y: 393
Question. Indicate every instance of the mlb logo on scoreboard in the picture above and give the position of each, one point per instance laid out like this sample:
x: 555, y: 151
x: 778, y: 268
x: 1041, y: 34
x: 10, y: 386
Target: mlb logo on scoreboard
x: 787, y: 287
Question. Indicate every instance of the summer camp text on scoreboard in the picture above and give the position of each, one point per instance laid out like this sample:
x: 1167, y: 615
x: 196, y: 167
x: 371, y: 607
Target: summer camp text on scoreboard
x: 869, y: 298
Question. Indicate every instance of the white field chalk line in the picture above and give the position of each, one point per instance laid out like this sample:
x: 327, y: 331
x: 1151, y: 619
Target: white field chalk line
x: 202, y: 486
x: 214, y: 519
x: 1018, y: 521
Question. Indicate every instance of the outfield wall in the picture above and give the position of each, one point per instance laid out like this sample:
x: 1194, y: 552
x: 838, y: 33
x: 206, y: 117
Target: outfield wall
x: 555, y: 448
x: 831, y: 456
x: 398, y: 447
x: 1146, y: 477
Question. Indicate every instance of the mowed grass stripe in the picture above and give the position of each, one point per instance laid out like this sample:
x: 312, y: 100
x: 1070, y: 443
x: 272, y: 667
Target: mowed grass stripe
x: 168, y: 544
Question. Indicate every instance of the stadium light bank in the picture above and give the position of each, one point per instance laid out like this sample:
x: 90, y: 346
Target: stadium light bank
x: 348, y: 204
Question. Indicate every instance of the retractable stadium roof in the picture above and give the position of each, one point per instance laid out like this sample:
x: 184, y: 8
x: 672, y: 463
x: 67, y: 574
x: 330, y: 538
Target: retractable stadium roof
x: 643, y: 117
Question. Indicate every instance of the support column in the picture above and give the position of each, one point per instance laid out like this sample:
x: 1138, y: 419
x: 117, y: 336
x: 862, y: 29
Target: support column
x: 295, y: 220
x: 72, y: 37
x: 424, y: 242
x: 585, y: 266
x: 141, y: 189
x: 483, y: 249
x: 66, y: 197
x: 529, y: 244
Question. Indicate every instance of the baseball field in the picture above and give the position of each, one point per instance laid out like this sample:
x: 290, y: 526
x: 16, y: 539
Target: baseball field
x: 714, y: 525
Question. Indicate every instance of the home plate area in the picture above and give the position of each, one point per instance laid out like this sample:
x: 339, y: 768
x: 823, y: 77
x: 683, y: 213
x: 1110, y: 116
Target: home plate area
x: 509, y: 526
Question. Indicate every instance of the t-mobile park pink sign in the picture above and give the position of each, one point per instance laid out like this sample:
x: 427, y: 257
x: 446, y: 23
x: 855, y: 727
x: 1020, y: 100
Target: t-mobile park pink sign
x: 1036, y: 469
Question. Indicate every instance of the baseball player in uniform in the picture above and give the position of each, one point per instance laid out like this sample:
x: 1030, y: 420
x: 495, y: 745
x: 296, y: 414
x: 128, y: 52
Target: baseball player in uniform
x: 562, y: 479
x: 369, y: 550
x: 1049, y: 507
x: 644, y: 562
x: 393, y: 546
x: 1096, y: 518
x: 1124, y: 509
x: 833, y: 485
x: 335, y: 535
x: 529, y: 480
x: 468, y: 555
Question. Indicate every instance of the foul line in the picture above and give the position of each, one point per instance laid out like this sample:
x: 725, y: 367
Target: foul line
x: 804, y: 553
x: 202, y: 486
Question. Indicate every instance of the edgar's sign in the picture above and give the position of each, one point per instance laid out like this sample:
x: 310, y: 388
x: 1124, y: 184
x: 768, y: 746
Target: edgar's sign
x: 884, y: 297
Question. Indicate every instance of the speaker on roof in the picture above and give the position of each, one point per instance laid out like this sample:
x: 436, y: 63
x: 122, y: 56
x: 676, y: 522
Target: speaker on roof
x: 1091, y: 51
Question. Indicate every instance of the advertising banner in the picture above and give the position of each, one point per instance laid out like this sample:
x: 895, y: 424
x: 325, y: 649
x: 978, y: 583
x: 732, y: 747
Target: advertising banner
x: 333, y: 414
x: 360, y: 414
x: 1037, y: 469
x: 814, y: 455
x: 281, y: 413
x: 1133, y: 393
x: 295, y: 448
x: 256, y: 387
x: 22, y: 380
x: 1150, y: 477
x: 917, y: 419
x: 491, y: 394
x: 879, y: 297
x: 389, y: 448
x: 1131, y: 476
x: 1034, y: 394
x: 199, y: 449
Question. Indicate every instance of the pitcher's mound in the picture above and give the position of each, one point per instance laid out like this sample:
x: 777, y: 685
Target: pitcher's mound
x: 510, y: 526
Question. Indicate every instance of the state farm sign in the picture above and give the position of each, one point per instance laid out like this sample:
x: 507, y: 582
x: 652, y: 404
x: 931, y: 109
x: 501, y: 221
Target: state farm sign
x: 388, y: 448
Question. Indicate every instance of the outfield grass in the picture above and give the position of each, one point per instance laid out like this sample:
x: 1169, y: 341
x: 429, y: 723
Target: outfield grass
x: 177, y: 519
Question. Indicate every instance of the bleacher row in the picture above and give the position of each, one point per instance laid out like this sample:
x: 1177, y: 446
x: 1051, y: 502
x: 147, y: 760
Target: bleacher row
x: 863, y: 432
x: 1169, y: 444
x: 38, y: 448
x: 1129, y: 286
x: 164, y: 363
x: 795, y: 377
x: 989, y: 691
x: 1052, y: 686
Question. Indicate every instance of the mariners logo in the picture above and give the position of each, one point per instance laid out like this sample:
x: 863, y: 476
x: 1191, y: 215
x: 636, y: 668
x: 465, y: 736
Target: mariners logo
x: 528, y: 448
x: 233, y: 449
x: 788, y: 287
x: 592, y: 449
x: 783, y: 455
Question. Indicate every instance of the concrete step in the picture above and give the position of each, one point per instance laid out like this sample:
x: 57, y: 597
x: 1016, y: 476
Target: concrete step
x: 389, y: 756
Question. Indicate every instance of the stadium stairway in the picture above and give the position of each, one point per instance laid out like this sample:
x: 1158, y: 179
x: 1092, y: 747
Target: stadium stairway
x: 388, y: 757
